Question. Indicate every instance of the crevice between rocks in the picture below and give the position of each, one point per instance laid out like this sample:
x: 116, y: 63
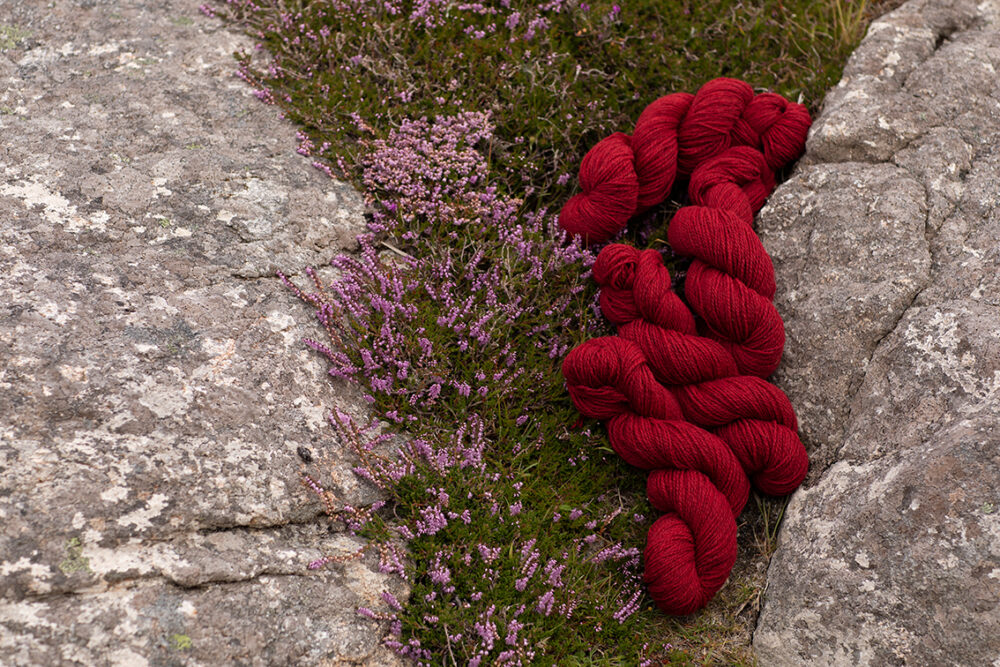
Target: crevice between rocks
x: 318, y: 517
x: 148, y: 581
x: 111, y: 581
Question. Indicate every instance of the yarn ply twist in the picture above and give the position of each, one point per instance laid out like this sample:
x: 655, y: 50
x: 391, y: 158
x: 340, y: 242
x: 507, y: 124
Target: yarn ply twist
x: 624, y: 175
x: 672, y: 389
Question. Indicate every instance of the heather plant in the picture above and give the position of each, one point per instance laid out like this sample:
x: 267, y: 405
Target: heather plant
x: 458, y: 342
x: 514, y: 523
x: 556, y: 75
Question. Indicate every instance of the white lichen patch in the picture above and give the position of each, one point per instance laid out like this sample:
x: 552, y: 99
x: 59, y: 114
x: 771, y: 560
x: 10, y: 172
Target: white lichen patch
x: 283, y: 323
x: 73, y: 373
x: 104, y: 49
x: 24, y: 613
x: 161, y: 189
x: 258, y: 228
x: 130, y: 61
x: 58, y: 314
x: 236, y: 295
x: 855, y: 94
x: 222, y: 352
x: 38, y: 571
x: 38, y: 56
x: 938, y: 341
x: 115, y: 493
x: 140, y: 518
x: 879, y: 486
x: 73, y: 654
x: 948, y: 562
x: 314, y: 413
x: 135, y: 557
x: 56, y: 209
x: 126, y: 657
x: 106, y: 280
x: 165, y: 400
x: 157, y: 302
x: 171, y: 233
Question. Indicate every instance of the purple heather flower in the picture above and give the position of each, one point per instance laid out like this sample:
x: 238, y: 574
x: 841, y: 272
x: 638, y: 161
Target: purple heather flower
x: 545, y: 603
x: 391, y: 600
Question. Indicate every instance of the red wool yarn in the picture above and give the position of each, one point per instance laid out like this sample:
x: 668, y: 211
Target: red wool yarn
x: 682, y: 393
x: 623, y: 176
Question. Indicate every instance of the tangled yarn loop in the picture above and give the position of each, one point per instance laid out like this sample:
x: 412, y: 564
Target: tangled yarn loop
x: 625, y: 175
x: 681, y: 387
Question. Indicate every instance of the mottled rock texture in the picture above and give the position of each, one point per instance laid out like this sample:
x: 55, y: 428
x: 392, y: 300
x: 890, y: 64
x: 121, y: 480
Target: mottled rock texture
x: 886, y: 243
x: 153, y: 387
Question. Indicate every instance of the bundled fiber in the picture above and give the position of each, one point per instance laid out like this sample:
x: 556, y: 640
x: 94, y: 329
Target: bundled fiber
x: 681, y: 388
x: 624, y: 175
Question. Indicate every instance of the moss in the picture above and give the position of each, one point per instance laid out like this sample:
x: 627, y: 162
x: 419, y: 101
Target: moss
x: 11, y: 36
x: 75, y: 561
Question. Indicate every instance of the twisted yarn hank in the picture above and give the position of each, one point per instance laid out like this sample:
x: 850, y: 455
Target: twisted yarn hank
x: 622, y: 175
x: 684, y: 397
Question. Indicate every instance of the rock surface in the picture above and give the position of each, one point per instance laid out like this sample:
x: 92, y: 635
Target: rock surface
x: 153, y: 387
x: 886, y: 243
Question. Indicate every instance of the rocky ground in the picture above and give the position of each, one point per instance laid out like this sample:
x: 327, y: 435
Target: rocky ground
x: 153, y: 388
x: 154, y: 392
x: 886, y: 244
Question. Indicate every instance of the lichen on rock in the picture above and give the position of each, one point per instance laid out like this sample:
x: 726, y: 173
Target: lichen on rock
x: 886, y: 244
x: 153, y: 386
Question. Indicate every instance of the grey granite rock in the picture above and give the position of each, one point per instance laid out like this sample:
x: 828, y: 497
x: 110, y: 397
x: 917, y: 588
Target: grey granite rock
x: 886, y: 243
x: 153, y: 387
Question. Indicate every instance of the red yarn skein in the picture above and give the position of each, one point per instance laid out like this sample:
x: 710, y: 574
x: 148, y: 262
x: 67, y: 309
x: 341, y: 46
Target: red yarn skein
x: 667, y: 366
x: 753, y: 417
x: 730, y: 284
x: 696, y: 480
x: 672, y: 136
x: 656, y: 372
